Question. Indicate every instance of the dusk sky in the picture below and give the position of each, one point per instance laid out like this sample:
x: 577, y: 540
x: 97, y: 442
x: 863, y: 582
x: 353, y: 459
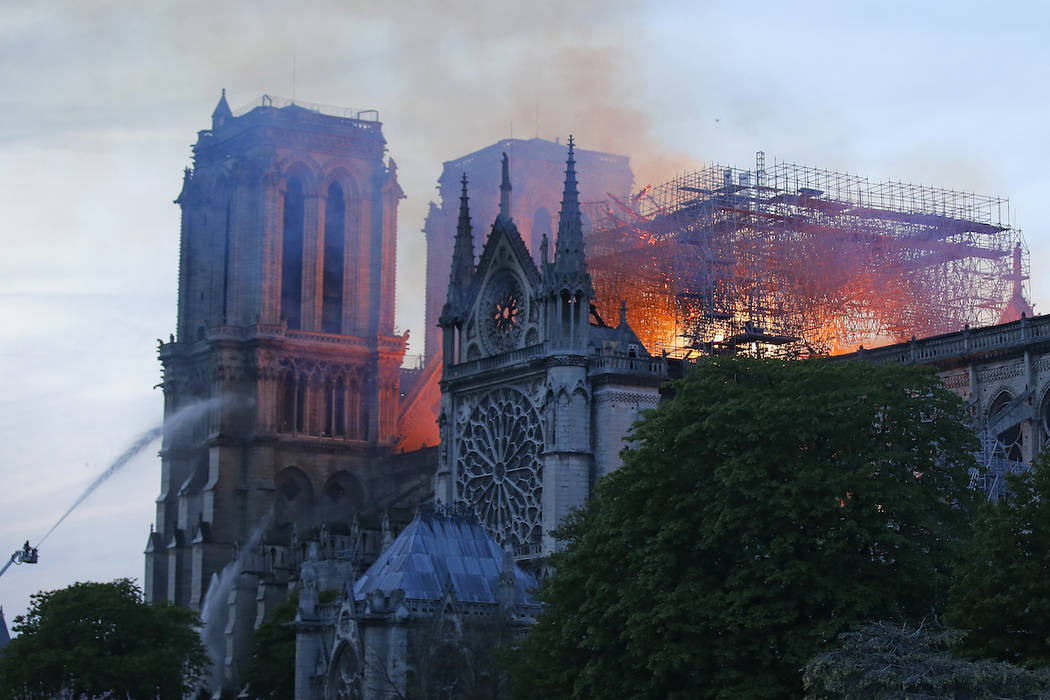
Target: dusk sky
x: 102, y: 101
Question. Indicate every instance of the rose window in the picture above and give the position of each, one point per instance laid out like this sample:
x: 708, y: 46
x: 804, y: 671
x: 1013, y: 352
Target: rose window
x: 499, y: 466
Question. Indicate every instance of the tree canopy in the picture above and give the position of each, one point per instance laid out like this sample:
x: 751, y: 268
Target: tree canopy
x: 891, y: 661
x: 1001, y: 595
x: 270, y: 672
x: 767, y: 508
x: 101, y: 640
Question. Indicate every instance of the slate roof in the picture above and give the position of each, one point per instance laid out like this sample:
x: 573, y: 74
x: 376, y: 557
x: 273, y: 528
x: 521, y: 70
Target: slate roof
x: 435, y: 549
x: 622, y: 336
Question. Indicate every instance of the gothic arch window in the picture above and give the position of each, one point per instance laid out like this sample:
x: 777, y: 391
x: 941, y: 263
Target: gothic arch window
x: 226, y: 263
x: 566, y: 313
x: 1010, y: 439
x: 357, y: 421
x: 335, y: 407
x: 345, y: 675
x: 334, y: 251
x: 1044, y: 413
x: 293, y: 402
x: 292, y: 252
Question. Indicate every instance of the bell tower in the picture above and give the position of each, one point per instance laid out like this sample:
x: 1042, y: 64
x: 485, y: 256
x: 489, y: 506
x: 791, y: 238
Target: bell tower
x: 286, y: 325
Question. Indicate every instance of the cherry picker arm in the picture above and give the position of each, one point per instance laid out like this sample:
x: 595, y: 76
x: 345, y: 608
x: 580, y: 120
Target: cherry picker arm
x: 26, y: 555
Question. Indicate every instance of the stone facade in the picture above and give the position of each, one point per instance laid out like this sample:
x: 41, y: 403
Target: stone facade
x: 285, y: 329
x: 537, y: 392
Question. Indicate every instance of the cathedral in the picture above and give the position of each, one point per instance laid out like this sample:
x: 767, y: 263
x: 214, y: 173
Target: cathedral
x: 301, y: 477
x: 313, y: 471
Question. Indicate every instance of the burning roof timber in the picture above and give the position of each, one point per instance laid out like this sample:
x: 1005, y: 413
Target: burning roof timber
x: 795, y: 260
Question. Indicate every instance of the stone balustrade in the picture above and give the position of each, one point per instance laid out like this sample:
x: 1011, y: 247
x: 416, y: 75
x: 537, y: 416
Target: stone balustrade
x: 964, y: 343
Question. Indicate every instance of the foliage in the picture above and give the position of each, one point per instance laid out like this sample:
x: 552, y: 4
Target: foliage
x: 270, y: 672
x: 1001, y: 597
x: 100, y: 639
x: 768, y: 507
x: 886, y: 661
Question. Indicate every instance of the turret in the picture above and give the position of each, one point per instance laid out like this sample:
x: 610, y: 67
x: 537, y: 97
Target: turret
x: 459, y: 276
x: 567, y: 284
x: 222, y: 112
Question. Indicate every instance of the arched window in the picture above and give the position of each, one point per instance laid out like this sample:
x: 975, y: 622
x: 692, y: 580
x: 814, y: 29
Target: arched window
x: 1010, y: 439
x: 292, y: 254
x: 293, y: 402
x: 334, y: 246
x: 566, y: 314
x: 335, y: 408
x: 288, y: 403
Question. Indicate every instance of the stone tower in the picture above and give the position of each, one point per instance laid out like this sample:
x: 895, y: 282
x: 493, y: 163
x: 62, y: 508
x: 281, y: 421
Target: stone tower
x: 537, y: 391
x: 285, y: 321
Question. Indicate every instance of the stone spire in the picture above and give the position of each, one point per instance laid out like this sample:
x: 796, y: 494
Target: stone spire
x: 222, y: 112
x: 569, y: 261
x: 504, y: 191
x: 463, y: 247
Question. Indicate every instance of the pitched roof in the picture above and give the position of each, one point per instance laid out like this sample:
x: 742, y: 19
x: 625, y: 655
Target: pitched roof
x: 437, y: 550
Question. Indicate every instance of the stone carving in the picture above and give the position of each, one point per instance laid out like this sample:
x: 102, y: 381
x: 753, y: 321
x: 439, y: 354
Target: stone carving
x: 499, y: 468
x: 957, y: 381
x: 627, y: 397
x: 1000, y: 373
x: 503, y: 309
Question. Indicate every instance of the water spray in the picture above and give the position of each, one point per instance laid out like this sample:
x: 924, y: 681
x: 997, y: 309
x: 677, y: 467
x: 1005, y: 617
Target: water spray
x: 28, y: 554
x: 139, y: 445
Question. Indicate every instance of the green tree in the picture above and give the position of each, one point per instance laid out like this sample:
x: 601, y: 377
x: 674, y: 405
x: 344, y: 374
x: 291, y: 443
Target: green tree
x: 891, y: 661
x: 1001, y: 596
x: 768, y: 507
x: 270, y: 673
x: 101, y: 640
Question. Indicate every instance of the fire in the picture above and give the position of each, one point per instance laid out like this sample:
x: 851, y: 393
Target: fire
x: 813, y: 263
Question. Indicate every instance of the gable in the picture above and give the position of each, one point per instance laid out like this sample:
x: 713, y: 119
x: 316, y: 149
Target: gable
x: 503, y: 308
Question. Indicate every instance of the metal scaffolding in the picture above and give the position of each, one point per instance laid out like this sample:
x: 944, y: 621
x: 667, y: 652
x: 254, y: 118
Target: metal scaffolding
x: 798, y: 261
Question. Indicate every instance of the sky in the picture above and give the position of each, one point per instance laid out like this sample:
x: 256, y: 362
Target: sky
x: 102, y: 101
